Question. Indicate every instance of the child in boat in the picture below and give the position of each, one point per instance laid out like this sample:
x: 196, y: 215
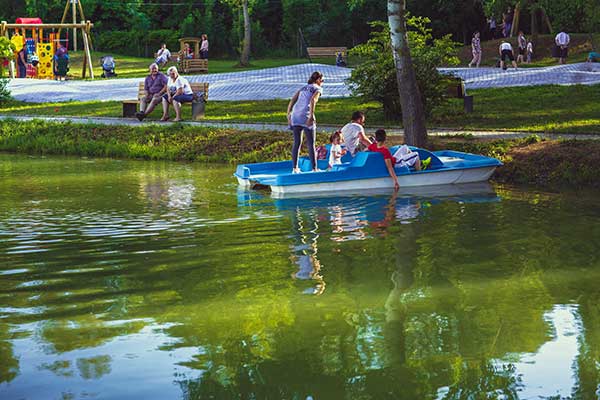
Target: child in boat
x: 336, y: 152
x: 406, y: 157
x: 380, y: 147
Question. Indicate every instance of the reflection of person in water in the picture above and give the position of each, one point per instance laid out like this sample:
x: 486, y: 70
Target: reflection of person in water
x: 304, y: 251
x: 347, y: 223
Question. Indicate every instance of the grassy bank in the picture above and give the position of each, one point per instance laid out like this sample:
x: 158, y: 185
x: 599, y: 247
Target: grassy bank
x: 552, y: 109
x: 527, y: 161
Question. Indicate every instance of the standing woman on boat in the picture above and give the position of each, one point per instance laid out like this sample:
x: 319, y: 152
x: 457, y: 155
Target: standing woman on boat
x: 301, y: 117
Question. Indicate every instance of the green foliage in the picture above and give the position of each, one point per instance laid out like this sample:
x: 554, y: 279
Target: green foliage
x: 567, y: 15
x: 7, y: 50
x: 375, y: 78
x: 4, y: 91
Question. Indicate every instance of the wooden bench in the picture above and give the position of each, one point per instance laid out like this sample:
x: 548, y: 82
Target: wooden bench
x: 321, y: 52
x: 130, y: 106
x: 187, y: 65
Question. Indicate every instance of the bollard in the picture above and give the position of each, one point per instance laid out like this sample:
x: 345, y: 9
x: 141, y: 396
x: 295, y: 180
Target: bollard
x: 198, y: 108
x: 468, y: 100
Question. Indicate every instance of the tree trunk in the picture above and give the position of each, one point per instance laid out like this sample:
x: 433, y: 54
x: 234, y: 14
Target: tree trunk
x: 413, y: 115
x: 245, y: 58
x: 534, y: 25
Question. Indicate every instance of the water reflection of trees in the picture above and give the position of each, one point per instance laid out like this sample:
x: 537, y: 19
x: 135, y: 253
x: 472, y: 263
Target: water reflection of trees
x: 427, y: 309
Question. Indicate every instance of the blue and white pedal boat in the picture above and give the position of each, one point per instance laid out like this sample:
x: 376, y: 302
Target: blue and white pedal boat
x: 366, y: 170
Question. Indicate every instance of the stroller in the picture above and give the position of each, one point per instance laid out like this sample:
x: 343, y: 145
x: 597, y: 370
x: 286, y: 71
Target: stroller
x: 108, y: 66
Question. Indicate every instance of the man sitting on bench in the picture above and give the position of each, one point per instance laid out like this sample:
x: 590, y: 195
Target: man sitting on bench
x: 163, y: 55
x: 155, y: 85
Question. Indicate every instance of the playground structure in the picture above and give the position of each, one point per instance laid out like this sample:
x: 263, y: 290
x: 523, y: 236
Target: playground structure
x: 195, y: 63
x: 41, y: 45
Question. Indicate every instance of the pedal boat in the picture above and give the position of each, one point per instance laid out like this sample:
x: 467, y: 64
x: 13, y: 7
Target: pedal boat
x: 366, y: 170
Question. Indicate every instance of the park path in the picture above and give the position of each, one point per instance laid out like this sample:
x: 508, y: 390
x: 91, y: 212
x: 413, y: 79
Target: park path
x: 284, y: 128
x: 282, y: 82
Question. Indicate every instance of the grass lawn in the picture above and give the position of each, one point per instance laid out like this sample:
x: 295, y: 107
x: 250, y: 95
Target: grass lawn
x: 552, y: 109
x: 135, y: 67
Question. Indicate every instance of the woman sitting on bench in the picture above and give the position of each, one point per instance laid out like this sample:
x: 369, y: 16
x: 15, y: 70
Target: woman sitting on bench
x: 178, y: 91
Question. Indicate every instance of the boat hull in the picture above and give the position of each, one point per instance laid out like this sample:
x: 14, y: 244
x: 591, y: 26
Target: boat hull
x: 367, y: 171
x: 436, y: 178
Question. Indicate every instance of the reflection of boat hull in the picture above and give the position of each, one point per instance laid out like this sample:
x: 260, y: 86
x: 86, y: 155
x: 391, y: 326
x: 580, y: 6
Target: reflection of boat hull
x: 367, y: 171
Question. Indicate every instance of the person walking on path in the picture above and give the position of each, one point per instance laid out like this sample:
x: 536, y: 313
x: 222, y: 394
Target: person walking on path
x: 476, y: 50
x: 506, y: 51
x: 522, y: 43
x: 562, y: 46
x: 154, y: 87
x: 301, y: 118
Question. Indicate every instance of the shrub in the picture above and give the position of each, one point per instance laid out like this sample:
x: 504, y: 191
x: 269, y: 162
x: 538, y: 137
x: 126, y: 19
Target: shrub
x: 375, y: 78
x: 7, y: 51
x: 4, y: 91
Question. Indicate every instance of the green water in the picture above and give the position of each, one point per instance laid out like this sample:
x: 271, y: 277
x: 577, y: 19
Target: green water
x: 140, y: 280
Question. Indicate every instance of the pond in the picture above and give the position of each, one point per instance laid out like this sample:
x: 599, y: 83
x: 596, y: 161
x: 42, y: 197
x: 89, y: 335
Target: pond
x: 155, y: 280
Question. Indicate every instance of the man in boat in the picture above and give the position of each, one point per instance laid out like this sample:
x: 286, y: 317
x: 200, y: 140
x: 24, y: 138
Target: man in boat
x: 354, y: 133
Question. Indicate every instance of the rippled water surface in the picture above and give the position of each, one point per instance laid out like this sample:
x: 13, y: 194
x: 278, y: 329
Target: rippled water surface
x: 145, y: 280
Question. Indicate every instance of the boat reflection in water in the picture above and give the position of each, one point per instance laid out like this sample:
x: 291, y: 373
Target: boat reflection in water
x: 354, y: 217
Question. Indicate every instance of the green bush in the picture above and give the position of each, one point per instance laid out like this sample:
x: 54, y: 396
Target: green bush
x: 4, y: 91
x: 375, y: 78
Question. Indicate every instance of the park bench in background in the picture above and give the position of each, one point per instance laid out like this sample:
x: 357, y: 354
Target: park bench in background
x: 322, y: 52
x: 189, y: 65
x: 130, y: 106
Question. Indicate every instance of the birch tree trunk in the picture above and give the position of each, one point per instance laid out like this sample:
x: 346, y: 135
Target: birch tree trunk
x: 413, y: 115
x: 245, y: 57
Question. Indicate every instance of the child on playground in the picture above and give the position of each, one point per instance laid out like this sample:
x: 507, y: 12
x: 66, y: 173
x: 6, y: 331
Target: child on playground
x: 529, y: 52
x: 336, y: 152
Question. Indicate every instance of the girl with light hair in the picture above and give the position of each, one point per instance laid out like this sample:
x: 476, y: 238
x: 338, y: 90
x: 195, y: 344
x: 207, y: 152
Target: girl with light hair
x: 178, y: 91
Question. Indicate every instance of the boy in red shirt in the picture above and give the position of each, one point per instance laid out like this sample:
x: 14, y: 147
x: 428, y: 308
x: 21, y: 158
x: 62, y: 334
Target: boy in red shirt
x: 379, y: 146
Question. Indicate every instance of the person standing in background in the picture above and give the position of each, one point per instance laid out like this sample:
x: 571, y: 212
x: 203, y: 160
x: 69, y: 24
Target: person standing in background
x: 476, y: 50
x: 522, y: 43
x: 529, y: 52
x: 204, y: 47
x: 562, y: 46
x: 492, y: 27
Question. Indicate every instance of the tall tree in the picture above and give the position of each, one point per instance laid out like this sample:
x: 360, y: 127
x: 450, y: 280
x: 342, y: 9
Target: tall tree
x: 245, y: 57
x: 246, y: 41
x: 413, y: 115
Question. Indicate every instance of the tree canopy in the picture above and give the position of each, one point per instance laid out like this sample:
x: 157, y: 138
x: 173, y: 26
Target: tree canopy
x: 137, y: 27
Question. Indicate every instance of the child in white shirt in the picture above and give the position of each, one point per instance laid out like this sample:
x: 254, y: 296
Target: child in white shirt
x: 529, y: 52
x: 336, y: 152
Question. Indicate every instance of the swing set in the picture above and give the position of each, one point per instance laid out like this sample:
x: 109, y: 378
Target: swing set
x: 41, y: 45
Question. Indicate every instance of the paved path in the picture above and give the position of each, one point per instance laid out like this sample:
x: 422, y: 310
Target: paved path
x: 282, y: 82
x: 568, y: 74
x: 284, y: 128
x: 262, y: 84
